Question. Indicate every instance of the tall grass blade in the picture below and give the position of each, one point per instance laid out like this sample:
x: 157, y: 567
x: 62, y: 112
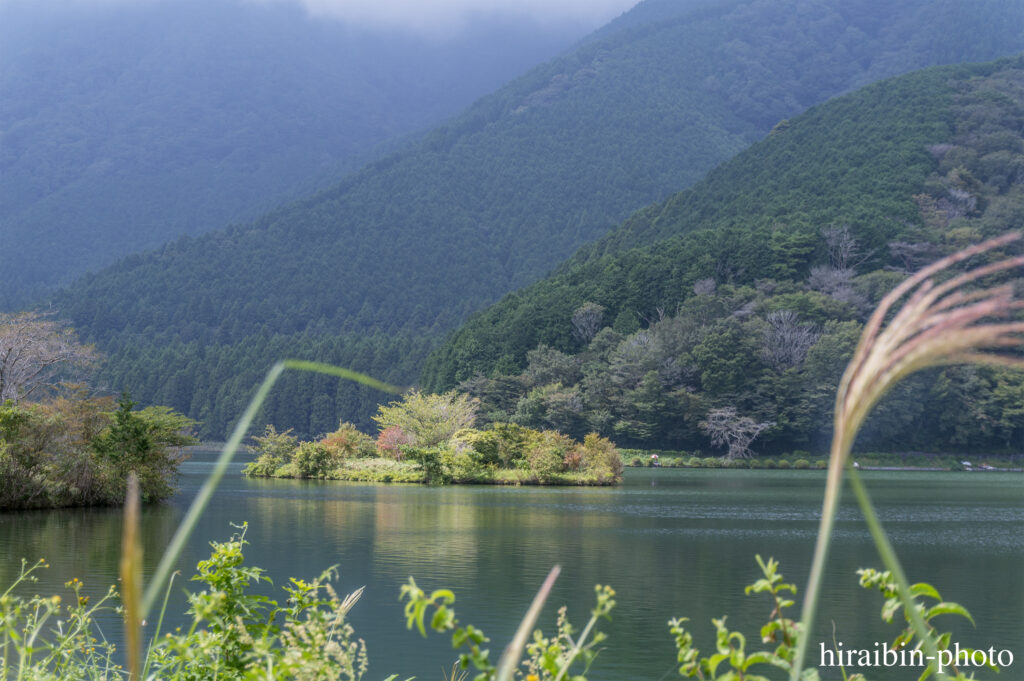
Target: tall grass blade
x: 513, y: 652
x: 195, y: 511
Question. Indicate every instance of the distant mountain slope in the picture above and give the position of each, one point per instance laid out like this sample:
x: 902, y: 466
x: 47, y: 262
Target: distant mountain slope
x: 123, y: 126
x: 415, y: 242
x: 747, y: 290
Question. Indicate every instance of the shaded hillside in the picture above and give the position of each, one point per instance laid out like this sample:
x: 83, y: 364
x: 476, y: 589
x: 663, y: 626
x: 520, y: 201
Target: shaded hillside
x: 414, y: 243
x: 123, y: 126
x: 748, y: 290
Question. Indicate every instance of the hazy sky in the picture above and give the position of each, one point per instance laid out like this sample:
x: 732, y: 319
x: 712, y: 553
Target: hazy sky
x: 425, y: 16
x: 432, y: 15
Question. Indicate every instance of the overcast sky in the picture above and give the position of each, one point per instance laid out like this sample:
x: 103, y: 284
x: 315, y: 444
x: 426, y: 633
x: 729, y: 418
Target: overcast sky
x: 427, y: 16
x: 433, y: 15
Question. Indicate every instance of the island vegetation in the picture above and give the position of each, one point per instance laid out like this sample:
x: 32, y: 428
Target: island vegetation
x: 430, y: 439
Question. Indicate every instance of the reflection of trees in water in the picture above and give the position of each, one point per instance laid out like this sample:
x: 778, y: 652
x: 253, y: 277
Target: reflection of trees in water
x: 684, y: 550
x: 78, y: 542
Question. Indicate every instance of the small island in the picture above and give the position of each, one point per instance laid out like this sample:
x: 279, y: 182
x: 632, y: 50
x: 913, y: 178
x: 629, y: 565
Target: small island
x: 432, y: 439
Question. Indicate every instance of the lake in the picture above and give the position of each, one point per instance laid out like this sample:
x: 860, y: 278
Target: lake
x: 672, y: 542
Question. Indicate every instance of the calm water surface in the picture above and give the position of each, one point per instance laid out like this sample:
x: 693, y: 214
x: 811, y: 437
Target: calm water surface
x: 671, y: 542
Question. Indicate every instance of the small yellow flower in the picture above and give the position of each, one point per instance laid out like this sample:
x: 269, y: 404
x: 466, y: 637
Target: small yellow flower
x: 532, y: 677
x: 55, y: 600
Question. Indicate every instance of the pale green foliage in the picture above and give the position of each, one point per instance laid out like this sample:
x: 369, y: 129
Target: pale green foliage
x: 547, y: 659
x: 272, y: 450
x: 44, y: 639
x: 602, y: 457
x: 733, y: 661
x: 235, y: 635
x: 731, y: 646
x: 928, y: 602
x: 429, y: 419
x: 546, y: 452
x: 238, y: 635
x: 311, y: 460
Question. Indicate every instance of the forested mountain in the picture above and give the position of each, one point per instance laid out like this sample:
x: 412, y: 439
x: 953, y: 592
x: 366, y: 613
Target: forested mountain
x: 413, y: 243
x: 124, y: 125
x: 747, y: 292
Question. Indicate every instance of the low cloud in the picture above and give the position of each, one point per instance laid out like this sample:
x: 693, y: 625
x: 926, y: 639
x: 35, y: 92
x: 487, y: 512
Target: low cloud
x: 426, y: 17
x: 444, y: 16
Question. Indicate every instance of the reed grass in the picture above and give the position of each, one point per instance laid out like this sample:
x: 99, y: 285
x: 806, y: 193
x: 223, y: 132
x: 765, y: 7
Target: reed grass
x: 938, y: 324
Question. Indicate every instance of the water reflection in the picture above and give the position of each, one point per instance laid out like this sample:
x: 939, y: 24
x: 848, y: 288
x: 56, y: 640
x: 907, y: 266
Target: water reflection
x: 682, y: 546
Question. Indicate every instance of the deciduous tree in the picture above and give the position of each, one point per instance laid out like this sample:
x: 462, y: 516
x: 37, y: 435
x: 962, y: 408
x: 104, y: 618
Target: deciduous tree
x: 34, y: 352
x: 727, y: 428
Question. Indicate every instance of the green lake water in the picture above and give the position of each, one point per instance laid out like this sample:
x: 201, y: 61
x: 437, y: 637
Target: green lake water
x: 671, y: 542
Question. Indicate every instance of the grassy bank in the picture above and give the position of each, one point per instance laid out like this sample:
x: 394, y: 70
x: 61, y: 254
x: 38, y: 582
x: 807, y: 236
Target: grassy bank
x: 639, y: 458
x: 380, y: 469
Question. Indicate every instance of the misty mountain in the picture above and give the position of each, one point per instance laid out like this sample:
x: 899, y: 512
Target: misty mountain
x: 125, y: 125
x: 412, y: 244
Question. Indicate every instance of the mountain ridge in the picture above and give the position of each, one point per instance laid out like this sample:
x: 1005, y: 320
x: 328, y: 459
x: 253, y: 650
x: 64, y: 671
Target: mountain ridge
x: 500, y: 195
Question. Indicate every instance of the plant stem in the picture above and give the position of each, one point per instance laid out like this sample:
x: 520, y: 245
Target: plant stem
x: 191, y: 518
x: 510, y: 658
x: 892, y: 562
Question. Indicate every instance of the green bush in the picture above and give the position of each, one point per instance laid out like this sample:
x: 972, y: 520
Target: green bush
x: 601, y: 457
x: 783, y: 464
x: 430, y: 460
x: 802, y: 464
x: 460, y: 465
x: 546, y: 452
x: 78, y: 451
x: 272, y: 450
x: 312, y: 460
x: 512, y: 442
x: 347, y: 442
x: 486, y: 445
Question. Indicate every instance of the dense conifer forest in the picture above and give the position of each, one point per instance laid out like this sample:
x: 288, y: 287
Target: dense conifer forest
x: 383, y: 264
x: 748, y: 291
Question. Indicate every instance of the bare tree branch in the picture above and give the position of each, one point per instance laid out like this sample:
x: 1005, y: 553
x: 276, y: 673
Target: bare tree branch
x: 727, y: 428
x: 35, y: 352
x: 786, y: 340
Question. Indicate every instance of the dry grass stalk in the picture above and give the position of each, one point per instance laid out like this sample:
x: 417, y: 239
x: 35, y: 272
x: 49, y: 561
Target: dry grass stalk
x: 939, y: 324
x: 131, y: 578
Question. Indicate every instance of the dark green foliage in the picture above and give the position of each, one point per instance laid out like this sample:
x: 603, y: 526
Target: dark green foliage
x: 416, y: 242
x: 78, y: 451
x: 125, y: 126
x: 215, y: 380
x: 745, y: 296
